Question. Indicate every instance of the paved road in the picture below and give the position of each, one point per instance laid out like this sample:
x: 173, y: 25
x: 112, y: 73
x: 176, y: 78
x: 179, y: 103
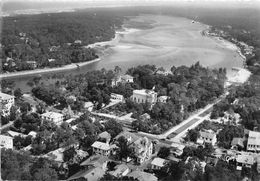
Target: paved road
x: 7, y: 125
x: 184, y: 125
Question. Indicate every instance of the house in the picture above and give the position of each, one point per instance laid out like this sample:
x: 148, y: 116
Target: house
x: 127, y: 78
x: 117, y: 97
x: 51, y: 60
x: 122, y: 79
x: 32, y: 133
x: 89, y: 106
x: 142, y: 176
x: 163, y: 72
x: 14, y: 133
x: 120, y: 170
x: 7, y: 101
x: 237, y: 143
x: 177, y: 149
x: 95, y: 161
x: 55, y: 155
x: 32, y: 64
x: 57, y: 118
x: 92, y: 169
x: 105, y: 135
x: 6, y: 142
x: 163, y: 99
x: 158, y: 163
x: 244, y: 161
x: 77, y: 41
x: 92, y: 174
x: 101, y: 148
x: 253, y: 142
x: 143, y: 148
x: 207, y: 136
x: 231, y: 118
x: 144, y: 95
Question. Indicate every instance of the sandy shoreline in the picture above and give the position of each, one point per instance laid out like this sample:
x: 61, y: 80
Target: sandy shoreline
x: 46, y: 70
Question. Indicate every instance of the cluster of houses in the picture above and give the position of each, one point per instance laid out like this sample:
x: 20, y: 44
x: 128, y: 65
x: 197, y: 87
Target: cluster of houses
x: 96, y: 165
x: 250, y: 144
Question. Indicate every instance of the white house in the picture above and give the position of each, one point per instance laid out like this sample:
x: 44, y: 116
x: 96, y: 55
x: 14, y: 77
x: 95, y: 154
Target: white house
x: 253, y: 143
x: 122, y: 79
x: 101, y: 148
x: 7, y: 101
x: 6, y: 142
x: 207, y: 136
x: 57, y: 118
x: 244, y: 161
x: 117, y: 97
x: 163, y: 99
x: 89, y: 106
x: 143, y: 96
x: 158, y: 163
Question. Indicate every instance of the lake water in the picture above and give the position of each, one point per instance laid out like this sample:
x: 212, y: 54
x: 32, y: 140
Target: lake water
x: 163, y: 41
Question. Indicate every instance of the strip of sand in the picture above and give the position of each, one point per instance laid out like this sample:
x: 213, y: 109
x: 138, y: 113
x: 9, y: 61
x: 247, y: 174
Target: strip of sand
x: 46, y: 70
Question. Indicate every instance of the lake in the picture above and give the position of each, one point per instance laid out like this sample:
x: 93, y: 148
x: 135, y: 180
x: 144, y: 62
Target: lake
x: 163, y: 41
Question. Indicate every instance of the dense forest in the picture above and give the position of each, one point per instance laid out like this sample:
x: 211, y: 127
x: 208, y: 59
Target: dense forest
x: 53, y: 39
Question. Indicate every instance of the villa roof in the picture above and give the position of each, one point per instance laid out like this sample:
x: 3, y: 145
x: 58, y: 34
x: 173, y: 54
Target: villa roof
x: 105, y: 135
x: 4, y: 96
x: 246, y: 159
x: 120, y: 169
x: 14, y: 133
x: 237, y: 141
x: 52, y: 114
x: 144, y: 92
x: 92, y: 174
x: 159, y: 162
x: 142, y: 176
x: 126, y: 76
x: 253, y: 138
x: 95, y: 160
x: 101, y: 145
x: 32, y: 133
x: 178, y: 146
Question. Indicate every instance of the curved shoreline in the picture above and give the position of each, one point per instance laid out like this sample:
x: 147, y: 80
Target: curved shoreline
x: 47, y: 70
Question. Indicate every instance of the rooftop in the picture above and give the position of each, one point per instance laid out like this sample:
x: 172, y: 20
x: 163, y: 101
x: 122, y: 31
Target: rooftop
x: 101, y: 145
x: 91, y: 174
x: 253, y: 138
x: 14, y: 133
x: 126, y: 76
x: 142, y: 176
x: 246, y: 159
x: 144, y: 92
x: 178, y: 146
x: 105, y: 135
x: 95, y: 160
x: 159, y: 162
x: 52, y: 114
x: 237, y: 141
x: 4, y: 96
x: 120, y: 169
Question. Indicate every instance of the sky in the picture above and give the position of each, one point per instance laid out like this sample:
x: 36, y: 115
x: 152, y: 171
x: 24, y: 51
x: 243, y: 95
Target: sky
x: 10, y: 5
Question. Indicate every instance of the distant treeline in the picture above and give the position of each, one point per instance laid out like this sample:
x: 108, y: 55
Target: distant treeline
x: 54, y: 39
